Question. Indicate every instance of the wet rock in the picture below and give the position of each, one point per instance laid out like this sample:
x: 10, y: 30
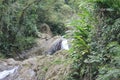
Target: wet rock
x: 54, y: 46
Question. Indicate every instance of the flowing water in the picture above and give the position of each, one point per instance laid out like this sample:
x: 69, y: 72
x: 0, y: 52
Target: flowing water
x: 64, y: 44
x: 6, y: 73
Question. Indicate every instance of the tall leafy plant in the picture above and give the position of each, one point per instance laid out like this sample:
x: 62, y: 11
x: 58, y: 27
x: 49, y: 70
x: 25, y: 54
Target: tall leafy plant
x: 81, y: 47
x: 100, y: 59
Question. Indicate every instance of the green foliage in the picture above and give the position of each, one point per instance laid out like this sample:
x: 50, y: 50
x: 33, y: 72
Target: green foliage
x: 96, y: 44
x: 58, y: 28
x: 107, y: 40
x: 17, y: 26
x: 111, y: 70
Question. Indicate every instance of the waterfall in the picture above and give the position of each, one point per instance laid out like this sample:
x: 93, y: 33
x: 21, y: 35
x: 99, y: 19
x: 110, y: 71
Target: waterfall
x: 64, y: 44
x: 6, y: 73
x: 58, y: 44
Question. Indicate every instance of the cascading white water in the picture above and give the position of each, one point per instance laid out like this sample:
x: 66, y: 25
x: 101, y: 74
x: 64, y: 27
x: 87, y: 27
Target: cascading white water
x: 64, y: 44
x: 5, y: 73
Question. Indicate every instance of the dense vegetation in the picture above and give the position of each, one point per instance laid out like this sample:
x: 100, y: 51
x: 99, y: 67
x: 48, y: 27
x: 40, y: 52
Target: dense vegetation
x: 20, y: 22
x: 96, y: 50
x: 96, y: 45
